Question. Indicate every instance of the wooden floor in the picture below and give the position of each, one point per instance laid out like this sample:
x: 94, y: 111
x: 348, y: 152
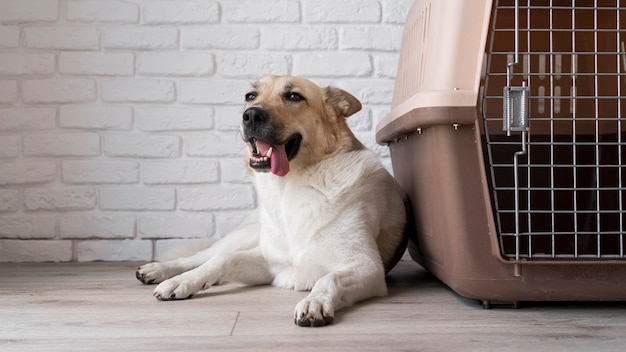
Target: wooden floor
x: 102, y: 307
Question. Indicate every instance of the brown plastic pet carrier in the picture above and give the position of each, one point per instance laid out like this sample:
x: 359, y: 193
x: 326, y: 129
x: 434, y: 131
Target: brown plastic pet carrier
x: 508, y: 132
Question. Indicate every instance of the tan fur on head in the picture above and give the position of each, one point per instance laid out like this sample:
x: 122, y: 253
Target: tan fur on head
x: 320, y: 118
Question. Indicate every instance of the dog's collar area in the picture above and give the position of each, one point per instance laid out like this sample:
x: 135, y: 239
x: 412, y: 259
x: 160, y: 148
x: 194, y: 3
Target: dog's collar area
x: 265, y: 156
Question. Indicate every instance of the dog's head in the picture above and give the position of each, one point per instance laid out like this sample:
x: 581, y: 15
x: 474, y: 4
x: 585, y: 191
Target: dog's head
x: 291, y: 122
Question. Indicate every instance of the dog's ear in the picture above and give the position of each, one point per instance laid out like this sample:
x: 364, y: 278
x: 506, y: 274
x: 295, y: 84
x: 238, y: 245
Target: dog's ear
x: 344, y: 103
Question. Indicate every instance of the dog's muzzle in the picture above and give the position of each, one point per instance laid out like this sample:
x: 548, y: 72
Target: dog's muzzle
x: 267, y: 151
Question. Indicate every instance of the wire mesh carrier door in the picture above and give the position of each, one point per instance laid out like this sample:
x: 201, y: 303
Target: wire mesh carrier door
x: 554, y: 136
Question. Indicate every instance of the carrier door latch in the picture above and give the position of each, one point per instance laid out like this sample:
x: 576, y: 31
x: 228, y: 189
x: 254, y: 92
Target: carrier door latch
x: 515, y: 109
x: 516, y: 119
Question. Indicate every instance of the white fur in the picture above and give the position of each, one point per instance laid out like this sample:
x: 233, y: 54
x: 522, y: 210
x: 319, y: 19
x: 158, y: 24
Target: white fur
x: 312, y: 231
x: 316, y: 228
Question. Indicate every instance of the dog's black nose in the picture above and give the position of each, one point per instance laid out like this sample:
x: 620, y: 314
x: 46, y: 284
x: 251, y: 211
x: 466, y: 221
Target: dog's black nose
x: 254, y: 116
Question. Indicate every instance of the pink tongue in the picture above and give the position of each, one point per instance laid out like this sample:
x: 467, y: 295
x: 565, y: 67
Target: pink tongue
x: 278, y: 160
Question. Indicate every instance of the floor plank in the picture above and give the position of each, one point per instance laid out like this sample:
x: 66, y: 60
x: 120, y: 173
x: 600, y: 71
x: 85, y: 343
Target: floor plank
x: 102, y: 307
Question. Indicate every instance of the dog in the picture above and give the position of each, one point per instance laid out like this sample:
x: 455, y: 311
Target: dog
x: 330, y: 219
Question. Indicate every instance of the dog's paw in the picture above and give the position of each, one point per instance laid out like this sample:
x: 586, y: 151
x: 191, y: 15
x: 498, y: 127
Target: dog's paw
x: 152, y: 273
x: 177, y: 287
x: 314, y: 311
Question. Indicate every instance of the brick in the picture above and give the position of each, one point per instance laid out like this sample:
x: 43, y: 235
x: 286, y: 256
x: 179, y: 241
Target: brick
x: 396, y: 11
x: 102, y: 11
x: 137, y: 90
x: 9, y: 146
x: 25, y: 172
x: 28, y: 10
x: 140, y: 37
x: 97, y: 63
x: 60, y: 90
x: 60, y: 199
x: 361, y: 121
x: 62, y: 37
x: 9, y: 36
x: 228, y: 221
x: 96, y: 117
x: 21, y: 119
x: 386, y: 65
x: 114, y: 250
x: 382, y: 38
x: 142, y: 146
x: 184, y: 12
x: 137, y: 199
x: 8, y: 92
x: 378, y: 114
x: 35, y: 251
x: 347, y: 11
x: 98, y: 171
x: 28, y: 227
x: 170, y: 249
x: 216, y: 198
x: 62, y: 144
x: 371, y: 91
x: 217, y: 91
x: 186, y: 64
x: 180, y: 172
x: 174, y: 119
x: 272, y: 11
x: 237, y: 65
x: 229, y: 117
x: 26, y: 64
x: 9, y: 201
x: 234, y: 170
x: 368, y: 139
x: 177, y: 225
x: 220, y: 37
x: 340, y: 64
x: 222, y: 144
x: 299, y: 38
x: 81, y: 226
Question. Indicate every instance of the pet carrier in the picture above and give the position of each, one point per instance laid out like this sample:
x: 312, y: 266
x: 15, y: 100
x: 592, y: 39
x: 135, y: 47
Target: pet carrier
x: 508, y: 132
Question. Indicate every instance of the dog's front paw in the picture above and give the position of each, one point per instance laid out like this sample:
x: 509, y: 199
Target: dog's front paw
x: 177, y: 287
x: 314, y: 311
x: 152, y: 273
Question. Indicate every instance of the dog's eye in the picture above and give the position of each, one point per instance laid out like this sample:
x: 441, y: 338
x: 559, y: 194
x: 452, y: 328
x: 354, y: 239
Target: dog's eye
x: 250, y: 96
x: 294, y: 97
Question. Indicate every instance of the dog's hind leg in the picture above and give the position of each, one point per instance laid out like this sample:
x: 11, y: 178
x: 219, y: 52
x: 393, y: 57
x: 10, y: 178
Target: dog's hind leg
x: 243, y: 238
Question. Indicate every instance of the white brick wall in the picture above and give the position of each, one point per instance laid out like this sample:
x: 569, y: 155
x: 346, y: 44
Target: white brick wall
x: 58, y: 90
x: 29, y: 10
x: 119, y: 118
